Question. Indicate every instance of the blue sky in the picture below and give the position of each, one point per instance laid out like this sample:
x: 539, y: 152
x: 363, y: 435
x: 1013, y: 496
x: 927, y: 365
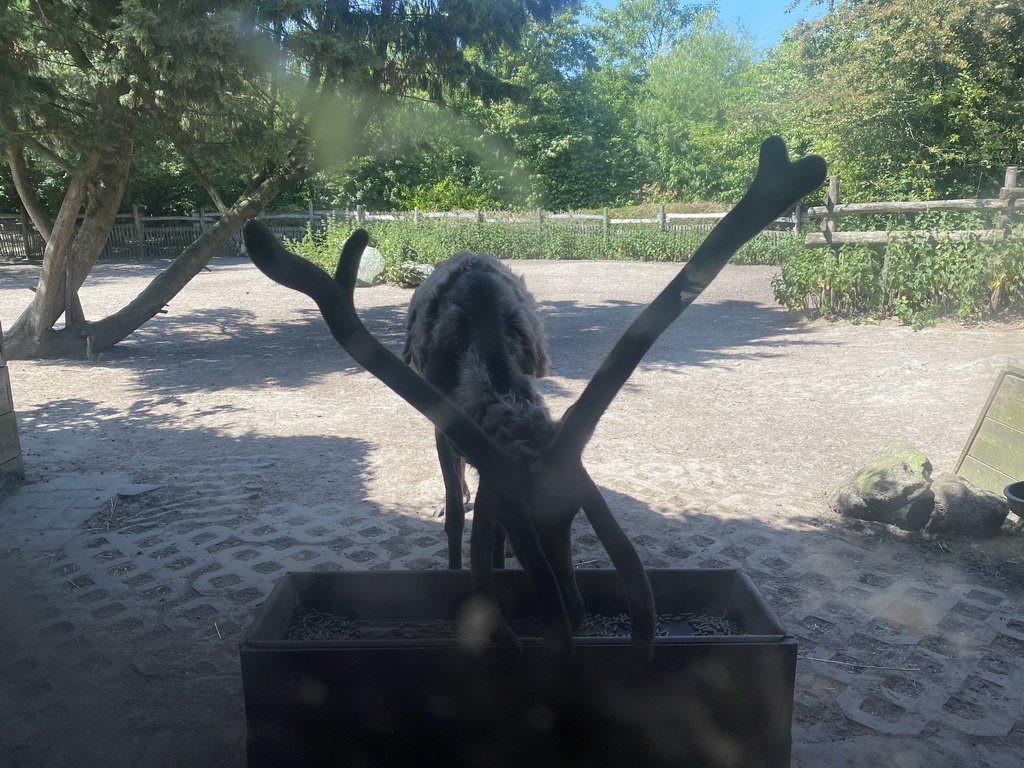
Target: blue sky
x: 765, y: 19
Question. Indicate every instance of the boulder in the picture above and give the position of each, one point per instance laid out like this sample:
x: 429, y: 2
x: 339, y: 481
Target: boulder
x: 963, y: 509
x: 894, y: 487
x: 371, y: 268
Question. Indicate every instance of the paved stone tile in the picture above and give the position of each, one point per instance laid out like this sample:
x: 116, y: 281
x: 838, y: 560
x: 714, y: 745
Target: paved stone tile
x: 888, y: 655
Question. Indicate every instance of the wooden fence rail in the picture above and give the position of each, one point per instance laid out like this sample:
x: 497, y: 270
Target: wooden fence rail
x: 135, y: 236
x: 1006, y: 205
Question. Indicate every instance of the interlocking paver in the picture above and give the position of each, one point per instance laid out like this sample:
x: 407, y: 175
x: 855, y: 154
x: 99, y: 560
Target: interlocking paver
x: 909, y: 654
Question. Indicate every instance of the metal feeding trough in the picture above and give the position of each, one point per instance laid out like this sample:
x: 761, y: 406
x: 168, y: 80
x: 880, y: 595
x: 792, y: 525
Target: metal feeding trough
x: 1014, y: 494
x: 401, y: 690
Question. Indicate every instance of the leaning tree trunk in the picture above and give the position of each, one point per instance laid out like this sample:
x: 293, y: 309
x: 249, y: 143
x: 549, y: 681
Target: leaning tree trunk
x: 33, y: 336
x: 98, y: 184
x: 105, y: 333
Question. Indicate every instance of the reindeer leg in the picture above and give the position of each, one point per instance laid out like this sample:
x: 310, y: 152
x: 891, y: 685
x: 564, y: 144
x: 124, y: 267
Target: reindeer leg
x: 454, y: 509
x: 484, y: 532
x: 556, y: 541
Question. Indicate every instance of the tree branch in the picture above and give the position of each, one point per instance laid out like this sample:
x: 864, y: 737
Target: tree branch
x: 48, y: 154
x: 201, y: 175
x: 19, y: 171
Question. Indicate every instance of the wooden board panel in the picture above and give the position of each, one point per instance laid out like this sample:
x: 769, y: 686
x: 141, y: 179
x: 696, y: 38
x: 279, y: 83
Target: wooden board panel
x: 1008, y: 404
x: 1000, y: 446
x: 8, y: 469
x: 6, y: 401
x: 10, y: 448
x: 983, y: 476
x: 994, y: 453
x: 12, y: 469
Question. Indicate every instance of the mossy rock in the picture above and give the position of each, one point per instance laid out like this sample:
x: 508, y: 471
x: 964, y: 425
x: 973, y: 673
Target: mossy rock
x: 893, y: 487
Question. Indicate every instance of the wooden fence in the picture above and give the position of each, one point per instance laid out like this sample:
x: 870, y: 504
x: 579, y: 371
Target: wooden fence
x: 135, y: 236
x: 1005, y: 209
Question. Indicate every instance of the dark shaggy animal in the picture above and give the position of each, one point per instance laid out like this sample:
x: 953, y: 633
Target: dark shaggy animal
x: 474, y: 333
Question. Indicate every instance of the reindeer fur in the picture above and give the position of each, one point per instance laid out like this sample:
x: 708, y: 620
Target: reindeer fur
x: 473, y: 332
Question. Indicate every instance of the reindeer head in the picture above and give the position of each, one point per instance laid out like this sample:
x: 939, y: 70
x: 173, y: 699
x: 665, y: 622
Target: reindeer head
x: 535, y: 502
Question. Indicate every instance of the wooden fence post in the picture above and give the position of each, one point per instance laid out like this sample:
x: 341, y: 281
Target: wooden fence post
x: 540, y: 220
x: 25, y: 236
x: 662, y: 220
x: 415, y: 216
x: 312, y: 218
x: 797, y: 213
x: 140, y: 233
x: 607, y: 222
x: 1011, y: 193
x: 360, y: 214
x: 828, y: 223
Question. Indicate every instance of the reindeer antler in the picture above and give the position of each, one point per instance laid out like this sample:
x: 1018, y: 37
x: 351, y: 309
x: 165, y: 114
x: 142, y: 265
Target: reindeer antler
x: 777, y: 185
x: 335, y: 300
x: 498, y: 471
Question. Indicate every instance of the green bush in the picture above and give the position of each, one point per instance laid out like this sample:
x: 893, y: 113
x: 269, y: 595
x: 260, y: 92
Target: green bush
x: 917, y: 279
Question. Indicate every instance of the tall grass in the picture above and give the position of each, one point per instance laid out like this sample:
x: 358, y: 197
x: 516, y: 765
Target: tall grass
x: 404, y: 242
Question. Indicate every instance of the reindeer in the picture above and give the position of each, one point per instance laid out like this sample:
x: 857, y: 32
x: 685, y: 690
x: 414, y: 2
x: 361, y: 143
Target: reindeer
x: 532, y: 496
x: 474, y: 333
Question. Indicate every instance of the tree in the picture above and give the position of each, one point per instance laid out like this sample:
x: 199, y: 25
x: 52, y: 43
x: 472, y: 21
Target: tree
x: 280, y: 89
x: 74, y: 77
x: 566, y: 137
x: 630, y: 34
x: 912, y: 98
x: 627, y: 38
x: 691, y: 92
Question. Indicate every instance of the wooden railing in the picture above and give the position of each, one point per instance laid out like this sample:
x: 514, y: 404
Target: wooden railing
x: 1008, y: 213
x: 135, y: 236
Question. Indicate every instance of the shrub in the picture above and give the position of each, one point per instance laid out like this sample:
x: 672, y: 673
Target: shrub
x: 917, y: 279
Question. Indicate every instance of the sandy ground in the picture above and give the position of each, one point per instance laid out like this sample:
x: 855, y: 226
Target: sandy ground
x: 250, y: 444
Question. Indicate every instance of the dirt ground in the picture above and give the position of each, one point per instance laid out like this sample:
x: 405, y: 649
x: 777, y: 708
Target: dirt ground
x: 173, y: 480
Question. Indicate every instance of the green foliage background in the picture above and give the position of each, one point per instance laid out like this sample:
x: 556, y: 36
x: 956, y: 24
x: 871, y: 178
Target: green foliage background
x: 918, y: 279
x: 566, y: 107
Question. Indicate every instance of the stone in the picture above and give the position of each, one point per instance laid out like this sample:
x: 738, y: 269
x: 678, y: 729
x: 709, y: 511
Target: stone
x: 964, y: 509
x: 136, y: 489
x: 371, y: 268
x: 894, y: 487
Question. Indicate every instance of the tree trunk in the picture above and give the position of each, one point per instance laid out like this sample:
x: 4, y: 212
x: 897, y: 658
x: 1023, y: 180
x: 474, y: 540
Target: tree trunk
x: 71, y: 249
x: 27, y: 193
x: 103, y: 334
x: 20, y: 176
x: 27, y: 336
